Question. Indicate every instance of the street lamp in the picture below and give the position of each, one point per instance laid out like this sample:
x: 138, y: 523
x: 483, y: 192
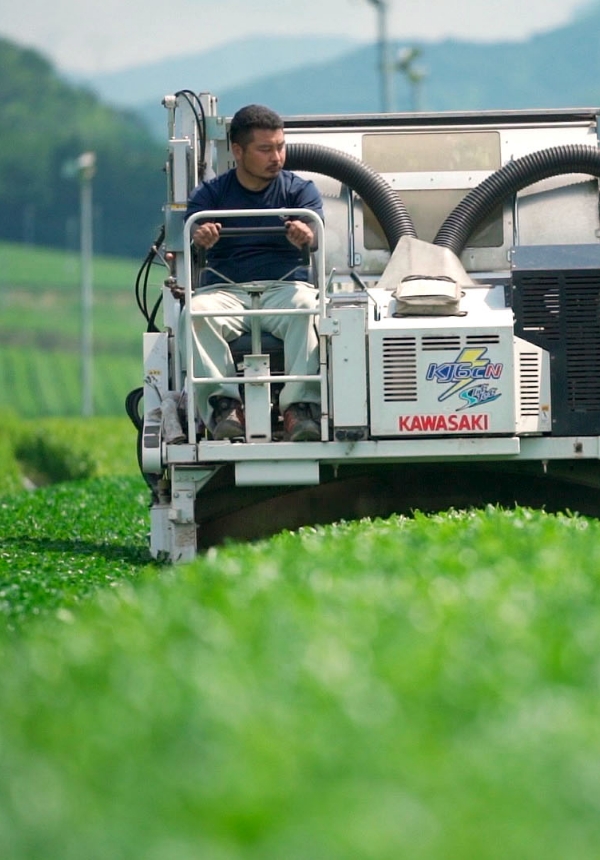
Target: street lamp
x: 385, y: 67
x: 86, y: 168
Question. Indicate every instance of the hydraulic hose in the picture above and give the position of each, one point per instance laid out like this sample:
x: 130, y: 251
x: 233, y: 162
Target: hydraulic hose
x: 379, y: 196
x: 480, y: 201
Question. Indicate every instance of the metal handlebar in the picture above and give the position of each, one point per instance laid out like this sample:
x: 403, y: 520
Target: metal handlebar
x: 242, y: 231
x: 225, y: 232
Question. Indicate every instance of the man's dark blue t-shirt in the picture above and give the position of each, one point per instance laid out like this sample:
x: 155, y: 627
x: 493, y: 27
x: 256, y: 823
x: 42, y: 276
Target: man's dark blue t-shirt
x: 255, y: 258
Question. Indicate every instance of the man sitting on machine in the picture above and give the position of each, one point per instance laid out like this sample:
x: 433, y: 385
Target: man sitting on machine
x: 258, y: 181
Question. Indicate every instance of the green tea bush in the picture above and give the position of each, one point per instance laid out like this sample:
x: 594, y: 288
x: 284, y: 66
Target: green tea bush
x: 380, y: 690
x: 60, y: 544
x: 11, y: 478
x: 49, y: 450
x: 67, y: 449
x: 40, y: 331
x: 46, y: 382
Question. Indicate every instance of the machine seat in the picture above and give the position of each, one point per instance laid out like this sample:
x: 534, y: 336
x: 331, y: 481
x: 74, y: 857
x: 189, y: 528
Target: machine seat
x: 271, y: 345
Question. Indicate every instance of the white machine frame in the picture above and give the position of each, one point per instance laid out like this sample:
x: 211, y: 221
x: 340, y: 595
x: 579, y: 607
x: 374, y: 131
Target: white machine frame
x: 368, y: 417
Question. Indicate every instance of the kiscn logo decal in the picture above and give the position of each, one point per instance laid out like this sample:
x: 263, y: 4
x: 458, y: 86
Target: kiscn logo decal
x: 468, y: 377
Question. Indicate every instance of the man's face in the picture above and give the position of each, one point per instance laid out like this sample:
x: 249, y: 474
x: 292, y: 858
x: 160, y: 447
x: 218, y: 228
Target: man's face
x: 261, y: 160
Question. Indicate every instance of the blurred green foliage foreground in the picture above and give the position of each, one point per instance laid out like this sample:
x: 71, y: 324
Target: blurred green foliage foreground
x: 408, y: 688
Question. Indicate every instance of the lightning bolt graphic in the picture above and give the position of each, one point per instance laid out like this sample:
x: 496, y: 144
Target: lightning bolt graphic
x: 469, y: 355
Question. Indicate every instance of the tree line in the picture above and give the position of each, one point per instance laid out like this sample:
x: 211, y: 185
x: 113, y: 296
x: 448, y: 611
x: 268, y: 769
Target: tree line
x: 46, y: 124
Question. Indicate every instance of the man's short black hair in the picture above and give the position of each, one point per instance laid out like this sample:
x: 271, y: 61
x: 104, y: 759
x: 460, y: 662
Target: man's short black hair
x: 246, y: 119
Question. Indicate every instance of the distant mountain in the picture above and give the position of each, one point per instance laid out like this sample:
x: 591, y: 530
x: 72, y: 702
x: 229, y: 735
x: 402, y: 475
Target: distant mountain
x: 215, y: 69
x: 559, y: 68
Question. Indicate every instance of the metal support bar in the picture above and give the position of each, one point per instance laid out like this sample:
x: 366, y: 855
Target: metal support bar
x: 319, y: 311
x: 185, y: 484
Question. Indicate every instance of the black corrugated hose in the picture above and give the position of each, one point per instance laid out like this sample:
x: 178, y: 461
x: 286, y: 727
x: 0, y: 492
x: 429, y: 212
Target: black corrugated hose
x: 379, y: 196
x: 480, y: 201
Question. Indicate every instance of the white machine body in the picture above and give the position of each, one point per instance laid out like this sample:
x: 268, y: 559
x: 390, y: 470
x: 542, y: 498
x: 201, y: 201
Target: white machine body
x: 425, y: 356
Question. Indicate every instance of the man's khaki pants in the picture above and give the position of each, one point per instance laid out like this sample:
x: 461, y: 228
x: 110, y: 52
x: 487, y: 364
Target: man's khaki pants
x: 212, y: 356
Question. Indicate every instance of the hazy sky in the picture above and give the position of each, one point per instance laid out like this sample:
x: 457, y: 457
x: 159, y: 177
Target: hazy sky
x: 92, y: 36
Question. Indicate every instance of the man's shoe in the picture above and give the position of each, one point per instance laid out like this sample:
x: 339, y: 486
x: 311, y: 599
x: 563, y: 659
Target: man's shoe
x: 299, y: 423
x: 228, y: 419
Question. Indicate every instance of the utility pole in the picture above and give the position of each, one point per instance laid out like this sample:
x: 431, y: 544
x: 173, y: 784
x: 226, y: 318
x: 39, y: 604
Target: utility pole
x: 86, y: 168
x: 385, y: 66
x: 415, y: 75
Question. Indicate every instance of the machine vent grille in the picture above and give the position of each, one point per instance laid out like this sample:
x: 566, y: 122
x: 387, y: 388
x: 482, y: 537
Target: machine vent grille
x: 540, y: 305
x: 582, y: 343
x: 530, y: 371
x: 558, y: 310
x: 483, y: 339
x: 399, y: 369
x: 430, y: 342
